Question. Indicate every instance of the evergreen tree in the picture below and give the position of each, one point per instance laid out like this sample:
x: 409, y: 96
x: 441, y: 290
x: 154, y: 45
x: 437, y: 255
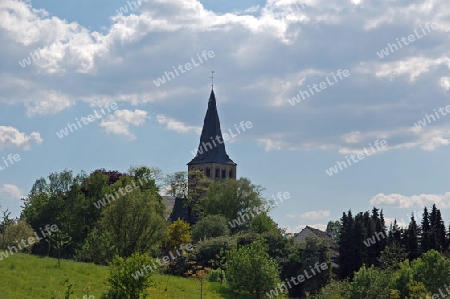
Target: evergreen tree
x: 425, y: 238
x: 346, y: 246
x: 440, y: 232
x: 412, y: 239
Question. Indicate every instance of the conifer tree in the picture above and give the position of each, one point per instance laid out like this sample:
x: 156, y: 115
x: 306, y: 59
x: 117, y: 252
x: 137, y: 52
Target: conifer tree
x: 346, y: 246
x: 425, y: 237
x: 412, y: 239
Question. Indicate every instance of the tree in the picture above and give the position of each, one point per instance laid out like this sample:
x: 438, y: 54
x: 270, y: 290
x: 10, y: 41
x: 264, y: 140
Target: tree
x: 17, y: 231
x: 199, y: 273
x: 392, y: 255
x: 148, y: 177
x: 432, y: 269
x: 210, y: 226
x: 306, y: 255
x: 178, y: 233
x: 177, y: 184
x: 229, y: 198
x: 347, y: 247
x: 333, y: 229
x: 425, y: 238
x: 250, y: 270
x: 198, y: 184
x: 402, y: 278
x: 134, y: 222
x: 128, y: 279
x: 370, y: 283
x: 6, y: 221
x: 412, y: 239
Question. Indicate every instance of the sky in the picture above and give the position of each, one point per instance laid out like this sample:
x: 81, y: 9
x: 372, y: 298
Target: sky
x: 322, y: 82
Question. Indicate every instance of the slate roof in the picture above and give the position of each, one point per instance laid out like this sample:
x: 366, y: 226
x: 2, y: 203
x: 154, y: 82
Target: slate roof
x: 211, y: 130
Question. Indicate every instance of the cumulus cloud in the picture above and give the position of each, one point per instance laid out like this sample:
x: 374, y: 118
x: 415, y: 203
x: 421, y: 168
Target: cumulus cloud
x: 10, y: 191
x: 177, y: 126
x: 121, y: 120
x: 12, y: 137
x: 396, y: 200
x: 380, y: 100
x: 313, y: 215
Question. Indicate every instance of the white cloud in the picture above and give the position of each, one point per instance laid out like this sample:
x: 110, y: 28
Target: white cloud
x: 12, y: 137
x: 49, y: 103
x: 10, y: 191
x: 177, y: 126
x: 445, y: 83
x: 313, y: 215
x: 121, y: 120
x: 396, y: 200
x: 291, y: 55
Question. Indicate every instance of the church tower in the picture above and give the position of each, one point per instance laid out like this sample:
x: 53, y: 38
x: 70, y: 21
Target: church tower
x: 212, y: 158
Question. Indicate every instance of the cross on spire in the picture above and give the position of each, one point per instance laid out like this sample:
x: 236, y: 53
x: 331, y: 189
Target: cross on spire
x: 212, y: 79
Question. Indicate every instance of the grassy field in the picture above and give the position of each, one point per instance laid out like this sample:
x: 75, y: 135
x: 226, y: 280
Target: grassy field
x: 29, y: 277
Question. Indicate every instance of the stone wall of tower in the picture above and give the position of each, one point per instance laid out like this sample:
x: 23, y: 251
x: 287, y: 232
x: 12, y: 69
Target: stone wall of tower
x: 216, y: 171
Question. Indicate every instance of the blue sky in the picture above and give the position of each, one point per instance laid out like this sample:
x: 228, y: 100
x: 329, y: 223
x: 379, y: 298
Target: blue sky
x: 265, y: 53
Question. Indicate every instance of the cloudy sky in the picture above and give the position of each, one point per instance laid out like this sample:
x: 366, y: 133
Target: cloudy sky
x: 278, y: 64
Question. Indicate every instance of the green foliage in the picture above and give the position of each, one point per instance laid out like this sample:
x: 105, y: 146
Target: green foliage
x: 353, y: 236
x: 29, y: 277
x: 215, y: 275
x: 178, y: 233
x: 370, y: 283
x: 15, y: 232
x: 208, y: 251
x: 418, y: 290
x: 122, y: 283
x: 131, y: 223
x: 334, y: 290
x: 432, y: 269
x: 229, y: 197
x: 402, y: 278
x: 250, y: 270
x: 262, y: 223
x: 149, y: 178
x: 210, y: 226
x: 334, y: 228
x: 392, y: 255
x: 177, y: 184
x: 301, y: 257
x: 198, y: 184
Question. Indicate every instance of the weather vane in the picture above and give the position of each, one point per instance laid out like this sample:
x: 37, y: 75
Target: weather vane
x: 212, y: 79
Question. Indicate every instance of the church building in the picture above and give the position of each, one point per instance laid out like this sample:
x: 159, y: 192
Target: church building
x: 212, y: 158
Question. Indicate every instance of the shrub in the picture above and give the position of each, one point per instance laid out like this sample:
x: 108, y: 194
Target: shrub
x: 215, y: 276
x: 128, y: 278
x: 210, y: 226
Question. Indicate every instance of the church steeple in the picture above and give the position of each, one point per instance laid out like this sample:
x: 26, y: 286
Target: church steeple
x: 212, y: 157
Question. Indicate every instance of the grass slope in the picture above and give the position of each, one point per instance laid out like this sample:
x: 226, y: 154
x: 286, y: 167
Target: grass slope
x: 29, y: 277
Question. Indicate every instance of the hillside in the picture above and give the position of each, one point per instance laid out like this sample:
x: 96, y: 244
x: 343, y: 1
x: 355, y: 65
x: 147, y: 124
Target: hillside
x: 29, y: 277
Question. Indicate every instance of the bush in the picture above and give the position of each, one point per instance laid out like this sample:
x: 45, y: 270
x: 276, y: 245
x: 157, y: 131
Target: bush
x: 215, y: 276
x: 206, y: 252
x: 250, y: 270
x: 129, y: 277
x: 211, y: 226
x: 15, y: 232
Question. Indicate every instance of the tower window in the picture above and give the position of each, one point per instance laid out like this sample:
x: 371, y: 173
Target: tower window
x: 230, y: 174
x: 224, y: 173
x: 217, y: 173
x: 208, y: 172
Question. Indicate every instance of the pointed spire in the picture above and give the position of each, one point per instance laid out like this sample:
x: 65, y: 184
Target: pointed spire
x: 212, y: 147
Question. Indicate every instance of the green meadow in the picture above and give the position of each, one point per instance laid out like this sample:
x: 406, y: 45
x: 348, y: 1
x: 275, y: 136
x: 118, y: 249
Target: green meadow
x: 29, y: 277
